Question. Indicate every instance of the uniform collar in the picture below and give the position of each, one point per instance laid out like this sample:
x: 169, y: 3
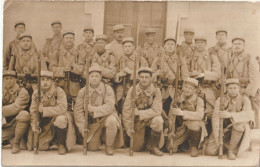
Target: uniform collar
x: 98, y: 89
x: 240, y: 56
x: 64, y: 51
x: 147, y: 45
x: 13, y: 89
x: 202, y: 54
x: 85, y: 43
x: 217, y: 46
x: 58, y: 36
x: 189, y: 45
x: 29, y: 52
x: 148, y: 91
x: 104, y: 56
x: 116, y: 42
x: 190, y: 100
x: 50, y: 92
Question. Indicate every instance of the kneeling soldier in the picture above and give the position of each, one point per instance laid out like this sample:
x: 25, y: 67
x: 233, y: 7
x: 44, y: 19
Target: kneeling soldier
x: 102, y: 115
x: 15, y: 118
x: 188, y: 112
x: 148, y: 109
x: 238, y: 116
x: 54, y: 120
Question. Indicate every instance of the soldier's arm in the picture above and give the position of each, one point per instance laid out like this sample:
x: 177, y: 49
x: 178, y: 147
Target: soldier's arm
x: 195, y: 115
x: 79, y: 113
x: 109, y: 102
x: 60, y: 108
x: 214, y: 74
x: 20, y: 103
x: 110, y: 72
x: 253, y: 77
x: 156, y: 108
x: 127, y: 110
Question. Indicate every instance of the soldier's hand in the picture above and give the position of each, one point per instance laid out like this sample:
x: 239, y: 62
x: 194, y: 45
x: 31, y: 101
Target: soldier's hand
x: 122, y: 74
x: 90, y: 108
x: 194, y: 73
x: 127, y: 70
x: 224, y: 114
x: 201, y: 75
x: 41, y: 108
x: 137, y: 112
x: 68, y: 68
x: 36, y: 130
x: 178, y: 111
x: 129, y: 132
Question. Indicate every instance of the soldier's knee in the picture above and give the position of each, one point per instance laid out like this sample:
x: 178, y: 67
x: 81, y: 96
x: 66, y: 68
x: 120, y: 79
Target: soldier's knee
x: 61, y: 121
x: 23, y: 116
x: 111, y: 122
x: 157, y: 123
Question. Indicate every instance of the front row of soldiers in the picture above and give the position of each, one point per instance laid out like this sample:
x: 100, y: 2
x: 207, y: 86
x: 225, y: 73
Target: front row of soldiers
x: 104, y: 124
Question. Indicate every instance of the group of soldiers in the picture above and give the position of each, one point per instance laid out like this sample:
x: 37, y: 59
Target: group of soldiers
x: 153, y: 98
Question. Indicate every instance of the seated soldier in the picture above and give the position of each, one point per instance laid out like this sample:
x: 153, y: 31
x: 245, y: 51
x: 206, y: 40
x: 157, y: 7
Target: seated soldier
x: 15, y: 118
x: 55, y: 121
x: 238, y: 116
x: 148, y: 109
x: 188, y: 112
x: 102, y: 115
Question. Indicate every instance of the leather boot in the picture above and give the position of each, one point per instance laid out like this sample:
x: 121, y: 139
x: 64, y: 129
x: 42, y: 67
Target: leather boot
x: 20, y: 131
x: 61, y: 138
x: 234, y: 140
x: 109, y: 150
x: 155, y: 139
x: 194, y: 140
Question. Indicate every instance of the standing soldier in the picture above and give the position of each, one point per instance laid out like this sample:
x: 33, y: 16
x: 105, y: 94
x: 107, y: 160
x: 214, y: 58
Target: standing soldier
x: 115, y: 47
x: 206, y: 68
x: 188, y: 114
x: 237, y: 116
x: 102, y: 115
x: 52, y: 44
x: 150, y: 48
x: 187, y: 46
x: 104, y: 59
x: 55, y: 122
x: 148, y: 109
x: 15, y: 118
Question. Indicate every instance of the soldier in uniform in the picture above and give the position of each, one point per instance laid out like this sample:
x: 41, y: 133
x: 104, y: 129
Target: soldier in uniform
x: 115, y: 46
x: 15, y: 115
x: 104, y: 59
x: 52, y: 44
x: 148, y: 122
x: 187, y: 46
x: 56, y: 123
x: 188, y: 112
x: 238, y: 116
x: 150, y: 48
x: 102, y: 115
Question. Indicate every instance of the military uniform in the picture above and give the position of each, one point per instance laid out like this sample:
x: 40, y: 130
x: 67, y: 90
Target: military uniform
x: 15, y: 115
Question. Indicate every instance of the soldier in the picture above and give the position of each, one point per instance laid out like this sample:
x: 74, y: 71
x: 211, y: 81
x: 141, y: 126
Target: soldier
x: 187, y: 46
x: 125, y: 69
x: 52, y: 44
x: 148, y: 109
x: 116, y: 45
x: 55, y: 121
x: 206, y: 68
x: 150, y: 48
x: 101, y: 114
x: 104, y: 59
x: 15, y: 118
x: 188, y: 112
x: 237, y: 116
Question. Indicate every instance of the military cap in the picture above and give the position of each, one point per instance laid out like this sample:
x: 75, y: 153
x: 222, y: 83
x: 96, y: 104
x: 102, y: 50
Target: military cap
x: 221, y: 30
x: 150, y: 31
x: 238, y: 38
x: 68, y: 32
x: 145, y: 69
x: 169, y: 38
x: 128, y: 39
x: 88, y: 28
x: 232, y: 81
x: 56, y: 22
x: 95, y: 69
x: 46, y: 74
x: 118, y: 27
x: 101, y: 37
x: 18, y: 23
x: 25, y: 35
x: 189, y: 30
x: 9, y: 73
x: 200, y: 38
x: 191, y: 81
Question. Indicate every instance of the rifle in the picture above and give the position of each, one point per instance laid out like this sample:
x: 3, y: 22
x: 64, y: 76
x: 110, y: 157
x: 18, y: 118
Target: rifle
x: 124, y: 89
x: 37, y: 128
x: 133, y: 110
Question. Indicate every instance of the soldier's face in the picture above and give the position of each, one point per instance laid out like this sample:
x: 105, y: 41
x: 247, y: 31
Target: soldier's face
x: 150, y: 38
x: 233, y: 90
x: 20, y: 29
x: 238, y: 46
x: 26, y: 43
x: 221, y: 37
x: 88, y: 35
x: 46, y: 83
x: 118, y: 35
x: 95, y: 78
x: 169, y: 46
x: 188, y: 36
x: 128, y: 48
x: 101, y: 45
x: 56, y: 28
x: 9, y: 82
x: 188, y: 90
x: 200, y: 45
x: 145, y: 78
x: 69, y: 39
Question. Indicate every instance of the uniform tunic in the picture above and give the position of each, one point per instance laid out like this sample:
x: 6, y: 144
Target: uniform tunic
x: 187, y: 51
x: 116, y: 48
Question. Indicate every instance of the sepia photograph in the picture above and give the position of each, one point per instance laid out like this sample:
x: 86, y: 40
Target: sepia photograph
x: 130, y: 83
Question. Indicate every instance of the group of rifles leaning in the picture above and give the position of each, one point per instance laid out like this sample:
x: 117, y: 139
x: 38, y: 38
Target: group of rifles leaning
x: 160, y: 99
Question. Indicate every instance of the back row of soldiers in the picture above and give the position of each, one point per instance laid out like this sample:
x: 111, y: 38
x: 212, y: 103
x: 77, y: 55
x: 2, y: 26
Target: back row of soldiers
x: 157, y: 101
